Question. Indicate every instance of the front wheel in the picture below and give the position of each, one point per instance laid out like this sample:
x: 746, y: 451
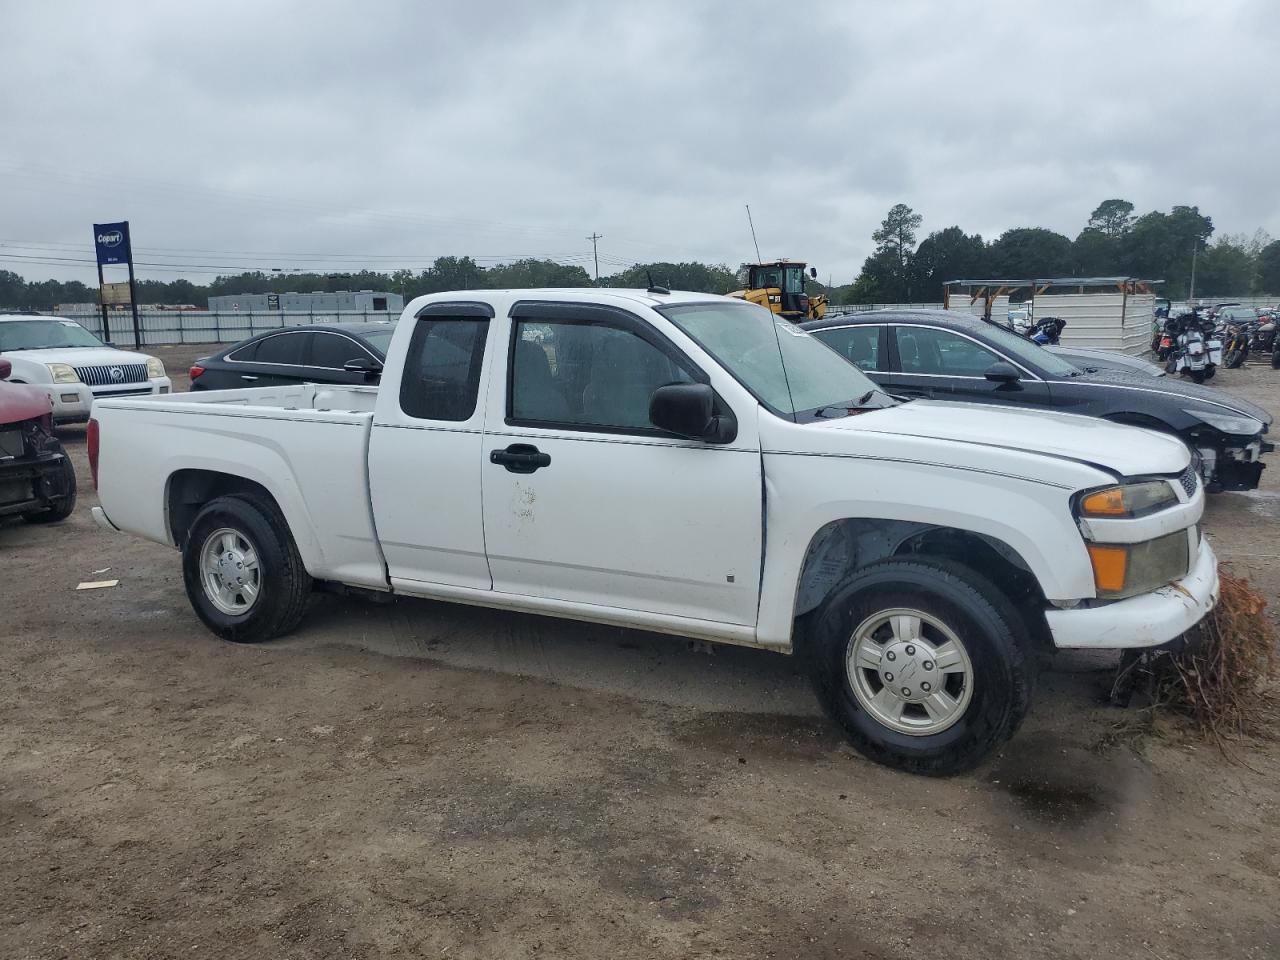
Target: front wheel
x: 923, y: 663
x: 1233, y: 359
x: 64, y: 505
x: 1275, y: 358
x: 242, y: 571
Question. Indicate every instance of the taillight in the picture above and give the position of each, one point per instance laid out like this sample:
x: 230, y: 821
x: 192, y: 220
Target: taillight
x: 91, y: 441
x: 196, y: 371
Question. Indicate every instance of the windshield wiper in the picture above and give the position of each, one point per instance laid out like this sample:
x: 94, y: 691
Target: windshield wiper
x: 851, y: 405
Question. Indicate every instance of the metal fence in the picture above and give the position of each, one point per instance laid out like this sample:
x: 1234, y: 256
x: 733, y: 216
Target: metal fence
x: 840, y: 309
x: 191, y: 326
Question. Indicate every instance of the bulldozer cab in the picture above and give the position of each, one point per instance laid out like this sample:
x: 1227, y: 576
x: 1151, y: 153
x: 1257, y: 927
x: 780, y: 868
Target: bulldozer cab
x: 780, y: 287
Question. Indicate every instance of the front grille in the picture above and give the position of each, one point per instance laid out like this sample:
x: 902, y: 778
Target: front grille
x: 135, y: 392
x: 1188, y: 479
x: 109, y: 375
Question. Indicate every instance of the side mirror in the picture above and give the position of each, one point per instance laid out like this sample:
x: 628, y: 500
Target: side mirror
x: 1003, y: 372
x: 6, y: 368
x: 371, y: 368
x: 688, y: 410
x: 813, y: 273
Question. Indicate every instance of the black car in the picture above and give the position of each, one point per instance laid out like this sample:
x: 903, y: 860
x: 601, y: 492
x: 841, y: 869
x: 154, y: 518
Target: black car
x: 940, y: 355
x: 350, y: 353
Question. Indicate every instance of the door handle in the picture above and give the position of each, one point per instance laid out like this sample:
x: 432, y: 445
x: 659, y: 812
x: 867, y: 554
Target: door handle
x: 245, y: 376
x: 520, y: 458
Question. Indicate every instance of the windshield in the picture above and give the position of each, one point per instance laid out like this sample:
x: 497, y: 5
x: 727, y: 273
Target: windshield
x: 792, y: 373
x: 42, y: 334
x: 1028, y: 352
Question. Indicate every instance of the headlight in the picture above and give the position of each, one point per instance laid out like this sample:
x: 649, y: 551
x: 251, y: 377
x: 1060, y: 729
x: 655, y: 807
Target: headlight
x: 1128, y: 500
x: 155, y: 369
x: 63, y: 373
x: 1236, y: 423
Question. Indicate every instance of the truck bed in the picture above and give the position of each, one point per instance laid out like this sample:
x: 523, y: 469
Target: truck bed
x: 307, y: 445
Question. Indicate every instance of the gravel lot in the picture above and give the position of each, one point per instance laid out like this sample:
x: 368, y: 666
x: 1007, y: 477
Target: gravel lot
x: 433, y: 780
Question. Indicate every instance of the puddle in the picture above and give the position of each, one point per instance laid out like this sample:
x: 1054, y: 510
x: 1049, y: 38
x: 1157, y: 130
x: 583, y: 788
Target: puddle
x: 1058, y: 784
x: 1055, y: 802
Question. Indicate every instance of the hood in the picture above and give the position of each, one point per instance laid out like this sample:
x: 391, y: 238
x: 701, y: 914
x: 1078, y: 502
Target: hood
x: 1128, y: 451
x: 19, y: 402
x: 1196, y: 394
x: 79, y: 356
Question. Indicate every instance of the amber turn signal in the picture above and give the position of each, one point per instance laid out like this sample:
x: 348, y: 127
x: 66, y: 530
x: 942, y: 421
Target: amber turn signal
x: 1110, y: 565
x: 1104, y: 503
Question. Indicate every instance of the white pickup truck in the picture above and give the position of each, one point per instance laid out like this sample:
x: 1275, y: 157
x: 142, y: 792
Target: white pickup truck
x: 687, y: 464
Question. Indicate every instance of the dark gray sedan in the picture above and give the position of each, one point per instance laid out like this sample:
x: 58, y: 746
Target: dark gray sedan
x: 940, y: 355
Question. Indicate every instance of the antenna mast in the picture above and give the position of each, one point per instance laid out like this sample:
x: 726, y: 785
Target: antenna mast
x: 753, y: 233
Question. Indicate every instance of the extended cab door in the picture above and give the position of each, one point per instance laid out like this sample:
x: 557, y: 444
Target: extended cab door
x: 586, y: 501
x: 425, y: 452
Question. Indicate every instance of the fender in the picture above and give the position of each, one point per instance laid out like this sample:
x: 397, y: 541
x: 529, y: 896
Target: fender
x: 1030, y: 519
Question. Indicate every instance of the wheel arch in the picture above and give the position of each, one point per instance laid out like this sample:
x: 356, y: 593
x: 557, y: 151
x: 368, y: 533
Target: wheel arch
x: 844, y: 546
x: 189, y: 489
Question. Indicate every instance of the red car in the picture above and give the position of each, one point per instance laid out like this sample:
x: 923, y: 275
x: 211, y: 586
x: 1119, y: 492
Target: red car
x: 36, y: 476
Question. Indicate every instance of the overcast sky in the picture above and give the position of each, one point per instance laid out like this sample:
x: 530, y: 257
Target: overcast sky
x: 381, y: 134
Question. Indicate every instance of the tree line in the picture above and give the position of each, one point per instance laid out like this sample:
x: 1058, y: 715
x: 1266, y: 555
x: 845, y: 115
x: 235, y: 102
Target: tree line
x: 446, y: 273
x: 1114, y: 242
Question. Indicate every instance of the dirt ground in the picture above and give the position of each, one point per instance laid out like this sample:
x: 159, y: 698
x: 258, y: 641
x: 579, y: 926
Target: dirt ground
x: 431, y: 780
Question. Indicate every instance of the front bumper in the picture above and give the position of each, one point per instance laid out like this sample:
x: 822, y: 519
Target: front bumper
x: 31, y: 483
x: 73, y: 402
x: 1147, y: 621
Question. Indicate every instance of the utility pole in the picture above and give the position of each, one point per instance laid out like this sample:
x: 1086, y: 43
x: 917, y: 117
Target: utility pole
x: 595, y: 253
x: 1191, y: 294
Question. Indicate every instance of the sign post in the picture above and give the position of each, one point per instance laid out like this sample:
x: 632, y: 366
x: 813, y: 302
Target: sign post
x: 111, y: 242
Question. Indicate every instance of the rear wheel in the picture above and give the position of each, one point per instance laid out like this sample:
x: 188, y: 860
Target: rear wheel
x: 923, y: 663
x: 1197, y: 376
x: 242, y: 571
x: 1233, y: 359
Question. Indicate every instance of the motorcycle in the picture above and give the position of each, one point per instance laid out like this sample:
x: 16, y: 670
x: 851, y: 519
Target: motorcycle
x: 1161, y: 340
x: 1193, y: 353
x: 1250, y: 337
x: 1047, y: 332
x: 1235, y: 347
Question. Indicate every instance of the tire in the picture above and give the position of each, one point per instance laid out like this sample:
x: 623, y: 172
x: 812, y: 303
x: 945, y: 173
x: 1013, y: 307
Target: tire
x: 942, y: 596
x: 1197, y: 376
x: 1275, y: 359
x: 1209, y: 371
x: 1234, y: 359
x: 64, y: 507
x: 239, y: 529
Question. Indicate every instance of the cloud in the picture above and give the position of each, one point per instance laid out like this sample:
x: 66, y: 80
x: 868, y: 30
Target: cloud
x: 283, y: 134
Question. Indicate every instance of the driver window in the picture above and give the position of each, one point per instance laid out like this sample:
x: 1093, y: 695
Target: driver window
x: 941, y: 353
x: 587, y: 374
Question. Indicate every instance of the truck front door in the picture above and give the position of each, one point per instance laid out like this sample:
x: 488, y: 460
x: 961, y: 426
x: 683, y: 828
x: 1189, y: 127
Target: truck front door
x: 586, y: 501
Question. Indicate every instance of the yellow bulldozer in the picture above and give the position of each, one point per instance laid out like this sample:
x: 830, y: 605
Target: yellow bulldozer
x: 780, y: 287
